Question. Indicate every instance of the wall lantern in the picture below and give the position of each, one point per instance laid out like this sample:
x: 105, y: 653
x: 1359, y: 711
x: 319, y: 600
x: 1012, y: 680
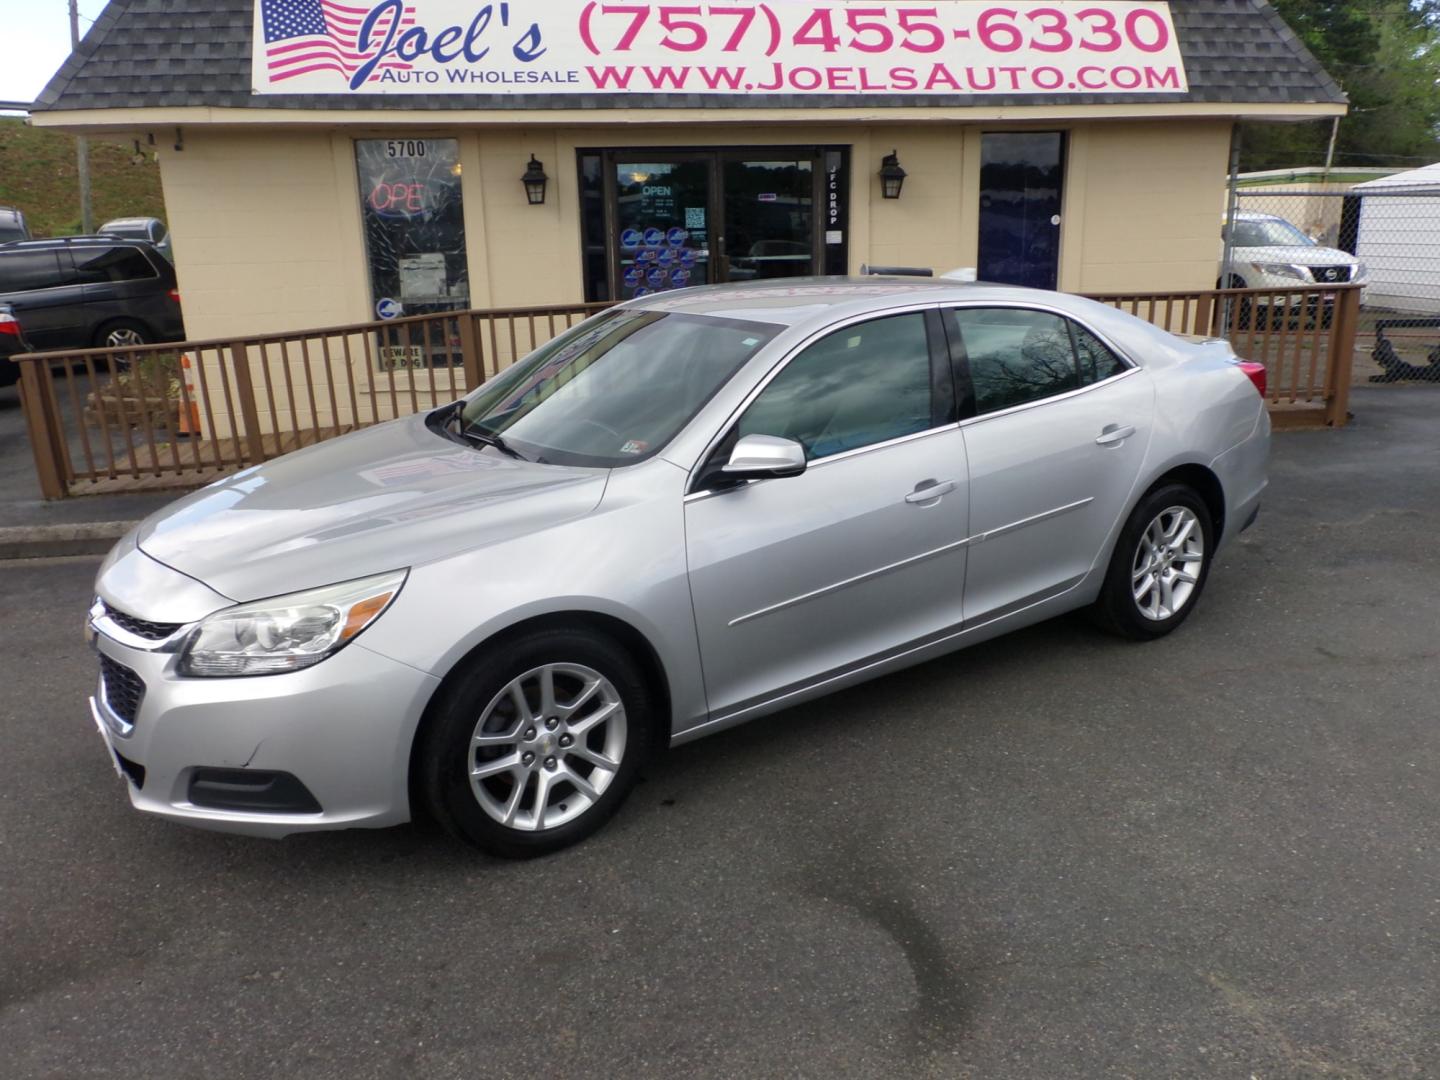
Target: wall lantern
x: 535, y: 181
x: 892, y: 176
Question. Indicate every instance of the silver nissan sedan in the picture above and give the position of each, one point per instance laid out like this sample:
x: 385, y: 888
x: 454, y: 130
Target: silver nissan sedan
x: 686, y: 512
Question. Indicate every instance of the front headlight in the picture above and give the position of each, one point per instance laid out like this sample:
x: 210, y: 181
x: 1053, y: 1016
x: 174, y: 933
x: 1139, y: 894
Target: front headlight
x: 287, y: 633
x: 1281, y: 270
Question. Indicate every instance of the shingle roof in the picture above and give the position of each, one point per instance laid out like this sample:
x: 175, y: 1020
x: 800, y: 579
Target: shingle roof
x: 157, y: 53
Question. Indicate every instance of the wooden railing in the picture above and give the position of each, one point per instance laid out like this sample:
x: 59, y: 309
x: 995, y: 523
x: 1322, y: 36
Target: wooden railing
x: 1305, y: 338
x: 179, y: 415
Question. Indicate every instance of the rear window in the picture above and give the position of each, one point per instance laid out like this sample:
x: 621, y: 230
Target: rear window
x: 112, y: 264
x: 21, y: 271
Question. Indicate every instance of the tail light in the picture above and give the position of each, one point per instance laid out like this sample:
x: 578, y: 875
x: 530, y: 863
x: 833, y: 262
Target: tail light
x: 9, y: 325
x: 175, y: 295
x: 1255, y: 373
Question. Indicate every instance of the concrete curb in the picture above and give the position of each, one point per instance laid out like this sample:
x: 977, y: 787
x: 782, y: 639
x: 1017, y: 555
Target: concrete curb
x: 47, y: 541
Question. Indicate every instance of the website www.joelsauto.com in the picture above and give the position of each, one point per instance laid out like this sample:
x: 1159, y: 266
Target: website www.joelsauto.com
x: 791, y: 78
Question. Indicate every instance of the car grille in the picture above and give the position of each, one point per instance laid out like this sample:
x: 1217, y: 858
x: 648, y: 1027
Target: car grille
x: 1329, y: 275
x: 150, y: 631
x: 124, y: 690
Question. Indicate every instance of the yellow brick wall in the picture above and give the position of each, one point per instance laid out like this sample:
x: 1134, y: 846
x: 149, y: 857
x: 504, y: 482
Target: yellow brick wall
x: 268, y: 236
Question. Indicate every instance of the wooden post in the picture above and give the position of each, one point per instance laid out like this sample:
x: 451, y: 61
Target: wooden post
x: 470, y: 351
x: 1202, y: 314
x: 42, y: 420
x: 1344, y: 325
x: 245, y: 391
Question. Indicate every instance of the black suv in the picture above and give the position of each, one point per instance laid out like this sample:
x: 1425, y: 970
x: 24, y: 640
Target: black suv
x: 85, y: 291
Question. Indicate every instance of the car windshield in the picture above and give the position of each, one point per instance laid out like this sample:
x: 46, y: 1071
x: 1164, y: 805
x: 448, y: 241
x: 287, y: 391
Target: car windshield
x: 1270, y: 232
x: 615, y: 389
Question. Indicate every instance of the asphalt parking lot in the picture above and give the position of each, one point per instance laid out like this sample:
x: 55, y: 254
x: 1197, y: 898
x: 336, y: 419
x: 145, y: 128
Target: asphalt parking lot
x: 1055, y: 855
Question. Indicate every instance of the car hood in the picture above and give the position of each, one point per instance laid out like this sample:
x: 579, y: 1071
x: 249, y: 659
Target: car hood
x: 1298, y: 256
x: 391, y: 496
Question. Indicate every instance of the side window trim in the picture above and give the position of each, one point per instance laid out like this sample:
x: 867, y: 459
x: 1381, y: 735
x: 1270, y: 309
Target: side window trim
x: 944, y: 390
x: 959, y: 364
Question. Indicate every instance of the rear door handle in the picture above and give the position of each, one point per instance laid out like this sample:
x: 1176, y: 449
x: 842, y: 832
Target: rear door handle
x: 930, y: 490
x: 1111, y: 434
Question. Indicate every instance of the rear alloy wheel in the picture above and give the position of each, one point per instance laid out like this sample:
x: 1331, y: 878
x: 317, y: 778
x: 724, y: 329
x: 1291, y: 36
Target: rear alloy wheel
x: 121, y: 334
x: 1160, y: 564
x: 535, y: 747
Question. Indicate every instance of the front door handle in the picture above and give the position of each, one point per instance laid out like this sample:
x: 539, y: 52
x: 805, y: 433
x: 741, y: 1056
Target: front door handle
x: 930, y: 490
x: 1111, y: 434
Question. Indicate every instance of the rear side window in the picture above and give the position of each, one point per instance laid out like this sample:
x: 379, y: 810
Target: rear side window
x: 21, y: 271
x: 1097, y: 362
x: 1016, y: 356
x: 95, y: 265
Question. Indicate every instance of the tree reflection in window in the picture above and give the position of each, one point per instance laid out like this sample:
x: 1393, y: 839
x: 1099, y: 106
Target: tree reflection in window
x: 861, y: 385
x: 1016, y: 356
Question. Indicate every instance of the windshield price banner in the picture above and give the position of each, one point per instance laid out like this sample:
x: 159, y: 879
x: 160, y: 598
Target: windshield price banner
x: 775, y: 47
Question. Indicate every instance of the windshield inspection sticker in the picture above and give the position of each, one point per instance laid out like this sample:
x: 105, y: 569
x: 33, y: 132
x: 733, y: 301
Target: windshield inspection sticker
x: 635, y: 446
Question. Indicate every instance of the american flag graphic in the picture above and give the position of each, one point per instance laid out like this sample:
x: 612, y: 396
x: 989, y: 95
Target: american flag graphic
x: 302, y: 36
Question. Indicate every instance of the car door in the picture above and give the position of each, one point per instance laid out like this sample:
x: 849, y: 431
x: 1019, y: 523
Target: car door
x: 798, y: 578
x: 1060, y: 430
x: 35, y: 284
x: 119, y: 281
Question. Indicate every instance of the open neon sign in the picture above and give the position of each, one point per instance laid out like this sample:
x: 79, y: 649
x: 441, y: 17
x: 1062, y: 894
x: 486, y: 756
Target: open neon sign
x: 399, y: 199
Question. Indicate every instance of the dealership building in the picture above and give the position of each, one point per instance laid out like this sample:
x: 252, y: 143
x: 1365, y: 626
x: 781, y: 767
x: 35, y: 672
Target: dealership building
x: 327, y: 163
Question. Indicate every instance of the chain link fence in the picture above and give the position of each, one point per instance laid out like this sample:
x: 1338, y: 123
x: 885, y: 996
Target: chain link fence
x: 1383, y: 234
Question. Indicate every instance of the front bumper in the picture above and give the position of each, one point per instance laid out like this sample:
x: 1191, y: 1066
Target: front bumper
x: 343, y: 728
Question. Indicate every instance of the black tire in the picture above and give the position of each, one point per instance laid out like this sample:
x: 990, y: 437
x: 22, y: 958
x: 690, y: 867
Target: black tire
x: 1117, y: 609
x: 127, y: 332
x: 445, y: 754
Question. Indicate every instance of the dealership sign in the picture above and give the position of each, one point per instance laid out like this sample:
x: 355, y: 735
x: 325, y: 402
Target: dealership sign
x: 954, y: 47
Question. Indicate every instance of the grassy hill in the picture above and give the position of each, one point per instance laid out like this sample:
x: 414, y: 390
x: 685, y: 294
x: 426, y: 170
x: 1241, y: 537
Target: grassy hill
x: 37, y: 174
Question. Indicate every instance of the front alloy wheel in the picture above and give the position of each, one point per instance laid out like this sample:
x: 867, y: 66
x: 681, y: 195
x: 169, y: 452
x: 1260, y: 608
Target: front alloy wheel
x: 547, y: 746
x: 535, y: 742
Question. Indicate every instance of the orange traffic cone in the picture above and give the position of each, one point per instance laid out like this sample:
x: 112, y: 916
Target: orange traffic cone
x: 189, y: 416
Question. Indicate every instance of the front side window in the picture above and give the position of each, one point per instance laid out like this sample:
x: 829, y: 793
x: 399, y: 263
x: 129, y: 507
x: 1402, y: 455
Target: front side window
x: 615, y: 389
x: 1269, y: 232
x: 860, y: 385
x: 1016, y: 356
x: 21, y: 271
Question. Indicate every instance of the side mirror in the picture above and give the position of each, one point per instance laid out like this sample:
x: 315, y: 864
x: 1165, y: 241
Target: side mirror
x: 757, y: 457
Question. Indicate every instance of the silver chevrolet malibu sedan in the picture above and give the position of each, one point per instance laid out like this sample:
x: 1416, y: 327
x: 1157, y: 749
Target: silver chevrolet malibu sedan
x: 686, y: 512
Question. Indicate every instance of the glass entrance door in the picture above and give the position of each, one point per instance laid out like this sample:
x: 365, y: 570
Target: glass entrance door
x: 769, y: 224
x: 1020, y: 189
x: 662, y: 216
x: 672, y: 219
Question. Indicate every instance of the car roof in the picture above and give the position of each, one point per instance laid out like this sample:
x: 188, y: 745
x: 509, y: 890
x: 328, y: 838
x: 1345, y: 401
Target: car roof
x: 129, y: 223
x: 798, y: 301
x: 1251, y: 215
x: 70, y: 241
